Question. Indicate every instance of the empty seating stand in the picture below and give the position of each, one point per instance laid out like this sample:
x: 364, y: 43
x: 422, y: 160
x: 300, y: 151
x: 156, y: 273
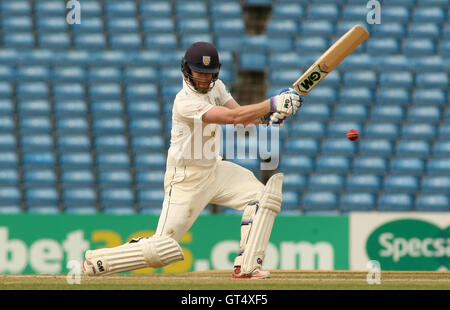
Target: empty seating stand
x: 85, y: 109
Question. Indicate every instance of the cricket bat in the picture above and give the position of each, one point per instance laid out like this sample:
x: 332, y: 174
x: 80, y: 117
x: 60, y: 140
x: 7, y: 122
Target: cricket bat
x: 330, y: 59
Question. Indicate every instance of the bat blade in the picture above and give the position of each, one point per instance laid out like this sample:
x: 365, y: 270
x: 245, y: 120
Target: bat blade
x: 330, y: 59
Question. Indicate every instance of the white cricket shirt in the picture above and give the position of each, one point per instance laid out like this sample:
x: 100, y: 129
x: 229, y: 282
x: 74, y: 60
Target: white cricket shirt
x: 192, y: 142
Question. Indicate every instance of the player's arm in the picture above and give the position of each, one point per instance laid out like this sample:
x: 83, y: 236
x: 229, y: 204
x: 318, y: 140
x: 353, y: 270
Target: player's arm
x: 233, y: 114
x: 287, y: 103
x: 232, y: 104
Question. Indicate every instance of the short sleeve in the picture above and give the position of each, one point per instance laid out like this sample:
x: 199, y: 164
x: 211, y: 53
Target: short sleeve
x: 224, y: 94
x: 192, y: 109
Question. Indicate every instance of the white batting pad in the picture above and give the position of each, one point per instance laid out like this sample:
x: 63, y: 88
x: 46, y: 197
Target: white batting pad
x: 258, y: 239
x: 147, y: 252
x: 246, y: 225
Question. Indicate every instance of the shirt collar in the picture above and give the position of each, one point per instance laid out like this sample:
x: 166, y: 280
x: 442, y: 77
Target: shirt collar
x: 188, y: 89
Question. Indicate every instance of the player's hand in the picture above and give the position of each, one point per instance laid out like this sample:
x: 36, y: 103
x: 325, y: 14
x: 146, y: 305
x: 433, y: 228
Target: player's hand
x: 292, y: 91
x: 277, y: 119
x: 287, y: 102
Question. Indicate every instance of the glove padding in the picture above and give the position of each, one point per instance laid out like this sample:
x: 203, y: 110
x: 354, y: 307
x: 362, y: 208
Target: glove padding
x: 277, y: 119
x: 287, y: 102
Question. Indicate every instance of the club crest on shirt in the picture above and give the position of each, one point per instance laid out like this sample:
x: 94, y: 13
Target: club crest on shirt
x: 206, y: 60
x: 217, y: 101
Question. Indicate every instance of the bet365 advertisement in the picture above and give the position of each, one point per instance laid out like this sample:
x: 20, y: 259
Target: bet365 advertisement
x: 45, y: 244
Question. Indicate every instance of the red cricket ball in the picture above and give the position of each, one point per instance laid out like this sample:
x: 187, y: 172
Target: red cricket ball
x: 352, y: 134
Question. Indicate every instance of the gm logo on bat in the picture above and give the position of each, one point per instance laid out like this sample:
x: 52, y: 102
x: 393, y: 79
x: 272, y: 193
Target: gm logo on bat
x: 313, y: 78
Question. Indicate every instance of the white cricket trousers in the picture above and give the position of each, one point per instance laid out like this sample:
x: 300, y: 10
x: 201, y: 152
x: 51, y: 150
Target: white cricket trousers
x: 189, y: 189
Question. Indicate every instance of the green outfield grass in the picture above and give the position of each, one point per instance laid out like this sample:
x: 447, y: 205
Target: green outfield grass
x: 221, y: 280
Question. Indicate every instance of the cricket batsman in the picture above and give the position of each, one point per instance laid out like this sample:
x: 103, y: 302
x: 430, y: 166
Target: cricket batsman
x: 193, y: 180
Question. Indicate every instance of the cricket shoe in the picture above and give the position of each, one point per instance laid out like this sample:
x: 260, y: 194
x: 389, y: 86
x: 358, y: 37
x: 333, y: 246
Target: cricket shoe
x: 88, y: 268
x: 256, y: 274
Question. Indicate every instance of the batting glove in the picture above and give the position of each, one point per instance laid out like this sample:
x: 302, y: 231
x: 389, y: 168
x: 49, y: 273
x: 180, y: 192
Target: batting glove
x: 287, y: 102
x: 277, y: 119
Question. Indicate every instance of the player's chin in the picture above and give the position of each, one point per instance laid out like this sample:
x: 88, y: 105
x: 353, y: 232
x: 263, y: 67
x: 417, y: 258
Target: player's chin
x: 203, y: 90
